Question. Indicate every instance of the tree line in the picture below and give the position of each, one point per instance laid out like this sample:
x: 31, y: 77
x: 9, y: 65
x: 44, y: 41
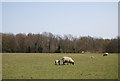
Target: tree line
x: 50, y: 43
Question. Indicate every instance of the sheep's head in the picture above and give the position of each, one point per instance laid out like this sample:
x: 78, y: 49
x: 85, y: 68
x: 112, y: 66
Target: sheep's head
x: 72, y: 63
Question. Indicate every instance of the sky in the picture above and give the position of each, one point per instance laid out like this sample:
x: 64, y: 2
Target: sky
x: 0, y: 17
x: 95, y: 19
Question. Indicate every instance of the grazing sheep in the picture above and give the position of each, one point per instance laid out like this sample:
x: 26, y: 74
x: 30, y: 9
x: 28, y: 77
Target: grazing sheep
x: 57, y: 62
x: 83, y: 52
x: 105, y: 54
x: 67, y: 60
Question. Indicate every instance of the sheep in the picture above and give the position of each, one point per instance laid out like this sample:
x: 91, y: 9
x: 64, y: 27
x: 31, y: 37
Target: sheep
x: 67, y: 60
x: 83, y: 52
x: 57, y: 62
x: 105, y: 54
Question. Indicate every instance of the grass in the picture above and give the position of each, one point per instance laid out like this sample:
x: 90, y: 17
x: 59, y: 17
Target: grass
x: 41, y: 66
x: 0, y: 66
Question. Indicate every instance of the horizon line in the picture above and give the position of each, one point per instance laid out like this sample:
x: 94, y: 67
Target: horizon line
x: 74, y: 36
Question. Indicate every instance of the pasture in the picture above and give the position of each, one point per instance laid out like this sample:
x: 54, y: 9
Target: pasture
x: 41, y: 66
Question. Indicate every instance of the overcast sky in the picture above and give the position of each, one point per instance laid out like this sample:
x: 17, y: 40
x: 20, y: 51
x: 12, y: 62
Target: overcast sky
x: 96, y: 19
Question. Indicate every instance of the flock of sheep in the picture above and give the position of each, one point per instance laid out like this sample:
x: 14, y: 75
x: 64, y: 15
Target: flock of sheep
x: 71, y: 61
x: 65, y: 60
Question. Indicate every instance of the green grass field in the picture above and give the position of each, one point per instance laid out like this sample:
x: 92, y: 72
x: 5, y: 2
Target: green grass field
x: 41, y: 66
x: 0, y: 66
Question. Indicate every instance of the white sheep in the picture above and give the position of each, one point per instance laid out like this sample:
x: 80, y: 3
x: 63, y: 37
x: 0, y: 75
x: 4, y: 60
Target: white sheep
x: 67, y: 60
x: 83, y: 52
x: 105, y: 54
x: 57, y: 62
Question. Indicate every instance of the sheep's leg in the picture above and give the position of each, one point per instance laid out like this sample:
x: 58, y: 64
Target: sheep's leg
x: 59, y: 63
x: 63, y: 63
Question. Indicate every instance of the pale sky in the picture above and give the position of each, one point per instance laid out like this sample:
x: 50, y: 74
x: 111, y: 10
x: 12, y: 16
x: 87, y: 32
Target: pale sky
x: 0, y: 17
x: 96, y: 19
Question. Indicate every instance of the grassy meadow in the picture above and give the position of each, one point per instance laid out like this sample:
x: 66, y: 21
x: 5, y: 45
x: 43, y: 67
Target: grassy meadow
x: 41, y: 66
x: 0, y: 66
